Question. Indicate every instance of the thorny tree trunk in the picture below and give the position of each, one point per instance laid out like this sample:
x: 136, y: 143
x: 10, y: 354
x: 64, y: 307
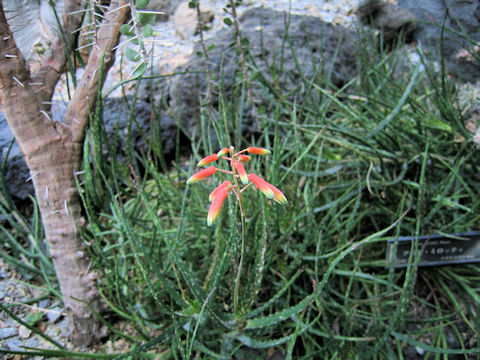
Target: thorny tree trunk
x: 53, y: 150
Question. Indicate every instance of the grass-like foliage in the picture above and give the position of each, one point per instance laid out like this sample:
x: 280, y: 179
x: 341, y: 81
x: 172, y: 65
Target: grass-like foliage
x: 387, y: 155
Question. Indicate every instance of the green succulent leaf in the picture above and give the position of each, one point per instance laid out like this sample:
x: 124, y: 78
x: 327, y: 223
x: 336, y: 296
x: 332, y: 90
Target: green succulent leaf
x: 141, y: 3
x: 147, y: 30
x: 140, y: 70
x: 33, y: 317
x: 127, y: 30
x: 132, y: 55
x: 145, y: 18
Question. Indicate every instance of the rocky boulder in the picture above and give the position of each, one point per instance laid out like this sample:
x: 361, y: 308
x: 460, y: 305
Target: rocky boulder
x: 186, y: 21
x: 462, y: 24
x: 15, y: 173
x: 451, y: 24
x: 285, y: 51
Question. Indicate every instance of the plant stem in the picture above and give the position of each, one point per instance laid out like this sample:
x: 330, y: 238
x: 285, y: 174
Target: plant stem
x: 236, y: 290
x: 138, y: 31
x: 242, y: 252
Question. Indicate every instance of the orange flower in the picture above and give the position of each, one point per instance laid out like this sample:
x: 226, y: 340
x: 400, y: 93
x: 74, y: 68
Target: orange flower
x: 207, y: 160
x: 237, y: 160
x: 216, y: 205
x: 241, y: 172
x: 223, y: 185
x: 202, y: 174
x: 262, y: 185
x: 258, y: 151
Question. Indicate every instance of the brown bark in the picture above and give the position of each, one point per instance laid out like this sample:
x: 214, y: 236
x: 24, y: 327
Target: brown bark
x: 53, y: 150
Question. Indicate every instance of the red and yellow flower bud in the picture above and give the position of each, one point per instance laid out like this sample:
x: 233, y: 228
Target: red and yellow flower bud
x: 225, y: 184
x: 258, y: 151
x: 222, y: 152
x: 207, y: 160
x: 244, y: 158
x: 261, y: 185
x: 279, y: 197
x: 216, y: 205
x: 241, y: 172
x: 202, y: 174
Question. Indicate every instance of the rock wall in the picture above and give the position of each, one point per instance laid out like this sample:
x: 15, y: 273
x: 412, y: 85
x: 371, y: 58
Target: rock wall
x: 310, y: 50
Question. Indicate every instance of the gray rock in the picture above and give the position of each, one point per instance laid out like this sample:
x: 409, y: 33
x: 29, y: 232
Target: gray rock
x: 394, y: 22
x: 14, y: 344
x: 186, y: 21
x: 43, y: 304
x: 16, y: 172
x: 314, y: 51
x: 422, y: 21
x: 32, y: 342
x: 452, y: 338
x: 167, y: 7
x: 24, y: 332
x: 8, y: 332
x: 54, y: 314
x: 116, y: 115
x: 4, y: 273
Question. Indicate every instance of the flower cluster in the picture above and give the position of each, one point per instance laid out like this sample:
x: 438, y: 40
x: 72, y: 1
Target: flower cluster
x: 237, y: 159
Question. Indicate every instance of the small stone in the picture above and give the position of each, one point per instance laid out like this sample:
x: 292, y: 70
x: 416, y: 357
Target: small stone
x: 24, y: 332
x: 31, y: 343
x: 54, y: 314
x: 43, y: 304
x: 4, y: 272
x: 8, y: 332
x: 14, y: 344
x: 419, y: 350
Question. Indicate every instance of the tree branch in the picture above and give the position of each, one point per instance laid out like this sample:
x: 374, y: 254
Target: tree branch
x: 17, y: 86
x: 102, y: 55
x: 14, y: 67
x: 62, y: 49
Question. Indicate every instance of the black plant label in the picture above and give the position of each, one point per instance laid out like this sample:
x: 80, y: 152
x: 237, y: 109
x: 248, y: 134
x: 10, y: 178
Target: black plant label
x: 434, y: 250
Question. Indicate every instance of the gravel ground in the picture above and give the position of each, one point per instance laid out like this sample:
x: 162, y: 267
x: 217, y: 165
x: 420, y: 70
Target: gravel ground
x: 45, y: 314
